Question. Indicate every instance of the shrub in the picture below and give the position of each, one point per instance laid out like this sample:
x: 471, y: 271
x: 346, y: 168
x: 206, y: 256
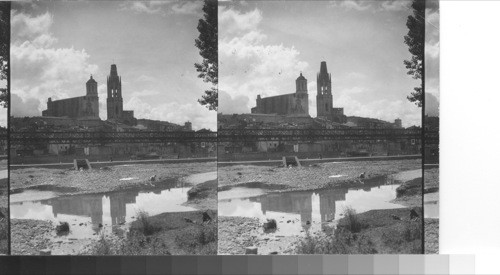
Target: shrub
x: 145, y: 225
x: 351, y: 221
x: 270, y: 225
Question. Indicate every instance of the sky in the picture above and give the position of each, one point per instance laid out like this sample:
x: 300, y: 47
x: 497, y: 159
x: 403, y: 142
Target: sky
x: 56, y: 46
x: 432, y: 58
x: 264, y: 45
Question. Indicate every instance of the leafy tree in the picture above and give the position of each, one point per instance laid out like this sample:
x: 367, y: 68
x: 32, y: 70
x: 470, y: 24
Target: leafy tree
x: 4, y: 49
x: 415, y: 39
x: 207, y: 43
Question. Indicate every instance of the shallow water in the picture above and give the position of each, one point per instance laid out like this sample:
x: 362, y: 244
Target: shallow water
x: 296, y: 212
x: 431, y: 205
x: 85, y: 213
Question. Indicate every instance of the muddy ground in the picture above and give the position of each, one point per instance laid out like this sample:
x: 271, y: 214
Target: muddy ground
x: 105, y: 179
x: 316, y: 176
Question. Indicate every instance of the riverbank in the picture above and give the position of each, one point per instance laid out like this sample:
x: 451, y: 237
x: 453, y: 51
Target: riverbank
x: 105, y: 179
x: 388, y: 231
x: 431, y: 228
x: 237, y: 233
x: 315, y: 176
x: 185, y: 233
x: 4, y: 210
x: 203, y: 196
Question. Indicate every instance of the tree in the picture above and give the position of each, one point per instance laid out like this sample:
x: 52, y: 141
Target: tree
x: 415, y: 39
x: 4, y: 49
x: 208, y: 69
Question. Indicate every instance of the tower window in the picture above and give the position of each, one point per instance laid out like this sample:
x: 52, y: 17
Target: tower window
x: 326, y: 107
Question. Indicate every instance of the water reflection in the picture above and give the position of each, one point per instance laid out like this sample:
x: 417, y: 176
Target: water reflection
x: 88, y: 214
x: 310, y: 210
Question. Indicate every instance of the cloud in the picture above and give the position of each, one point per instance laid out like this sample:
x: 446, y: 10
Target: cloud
x: 383, y: 109
x: 357, y: 5
x: 24, y: 107
x: 229, y: 105
x: 40, y: 70
x: 174, y: 112
x: 249, y: 64
x: 431, y: 105
x: 395, y: 5
x: 163, y: 7
x: 146, y: 78
x: 235, y: 21
x: 187, y: 7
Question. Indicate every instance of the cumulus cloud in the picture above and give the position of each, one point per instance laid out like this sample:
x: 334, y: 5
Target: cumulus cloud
x: 40, y: 70
x: 24, y: 107
x: 233, y: 105
x: 174, y: 112
x: 249, y: 64
x: 395, y: 5
x: 163, y: 7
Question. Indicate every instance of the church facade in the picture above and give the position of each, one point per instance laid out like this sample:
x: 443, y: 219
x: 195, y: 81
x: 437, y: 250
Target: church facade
x: 87, y: 107
x: 295, y: 104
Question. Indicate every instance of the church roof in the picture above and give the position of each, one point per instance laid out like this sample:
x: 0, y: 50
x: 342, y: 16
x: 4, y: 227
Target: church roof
x: 301, y: 77
x: 91, y: 80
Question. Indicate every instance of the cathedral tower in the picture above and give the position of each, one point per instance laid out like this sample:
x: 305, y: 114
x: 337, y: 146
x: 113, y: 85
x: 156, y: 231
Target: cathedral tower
x: 301, y: 84
x: 91, y: 87
x: 115, y: 99
x: 324, y: 100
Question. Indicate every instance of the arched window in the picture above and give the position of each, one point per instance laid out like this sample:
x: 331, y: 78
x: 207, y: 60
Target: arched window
x: 326, y: 107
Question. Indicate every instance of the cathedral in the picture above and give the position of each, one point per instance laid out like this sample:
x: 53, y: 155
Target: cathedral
x: 297, y: 104
x: 87, y: 107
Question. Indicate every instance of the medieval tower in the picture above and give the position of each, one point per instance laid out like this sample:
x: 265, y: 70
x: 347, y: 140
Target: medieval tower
x: 115, y: 99
x: 324, y: 99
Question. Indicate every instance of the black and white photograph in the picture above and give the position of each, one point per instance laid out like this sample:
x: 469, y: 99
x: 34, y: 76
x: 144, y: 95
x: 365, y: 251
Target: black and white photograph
x: 112, y: 128
x: 431, y: 128
x: 4, y: 58
x: 320, y: 127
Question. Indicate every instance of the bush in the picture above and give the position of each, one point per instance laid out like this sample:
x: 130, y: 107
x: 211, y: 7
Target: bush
x: 343, y: 242
x: 351, y: 221
x: 199, y: 241
x: 145, y: 225
x: 62, y: 228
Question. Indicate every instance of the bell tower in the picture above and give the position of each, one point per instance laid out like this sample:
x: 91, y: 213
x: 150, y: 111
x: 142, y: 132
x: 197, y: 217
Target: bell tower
x: 115, y: 99
x: 324, y: 100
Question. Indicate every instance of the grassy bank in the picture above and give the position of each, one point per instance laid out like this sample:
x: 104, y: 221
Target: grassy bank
x: 203, y: 196
x: 431, y: 229
x: 316, y: 176
x: 4, y: 233
x: 377, y: 231
x: 105, y: 179
x: 181, y: 233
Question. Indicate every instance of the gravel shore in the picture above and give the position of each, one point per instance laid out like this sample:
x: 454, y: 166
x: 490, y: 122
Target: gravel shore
x: 312, y: 177
x: 105, y: 179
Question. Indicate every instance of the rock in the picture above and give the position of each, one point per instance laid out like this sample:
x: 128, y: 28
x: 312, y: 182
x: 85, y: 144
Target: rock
x: 251, y: 250
x: 45, y: 252
x: 362, y: 175
x: 289, y: 221
x: 206, y: 217
x: 273, y: 253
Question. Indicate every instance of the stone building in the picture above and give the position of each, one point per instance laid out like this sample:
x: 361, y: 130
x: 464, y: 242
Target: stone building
x: 295, y: 104
x: 324, y: 99
x: 84, y: 107
x: 115, y: 100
